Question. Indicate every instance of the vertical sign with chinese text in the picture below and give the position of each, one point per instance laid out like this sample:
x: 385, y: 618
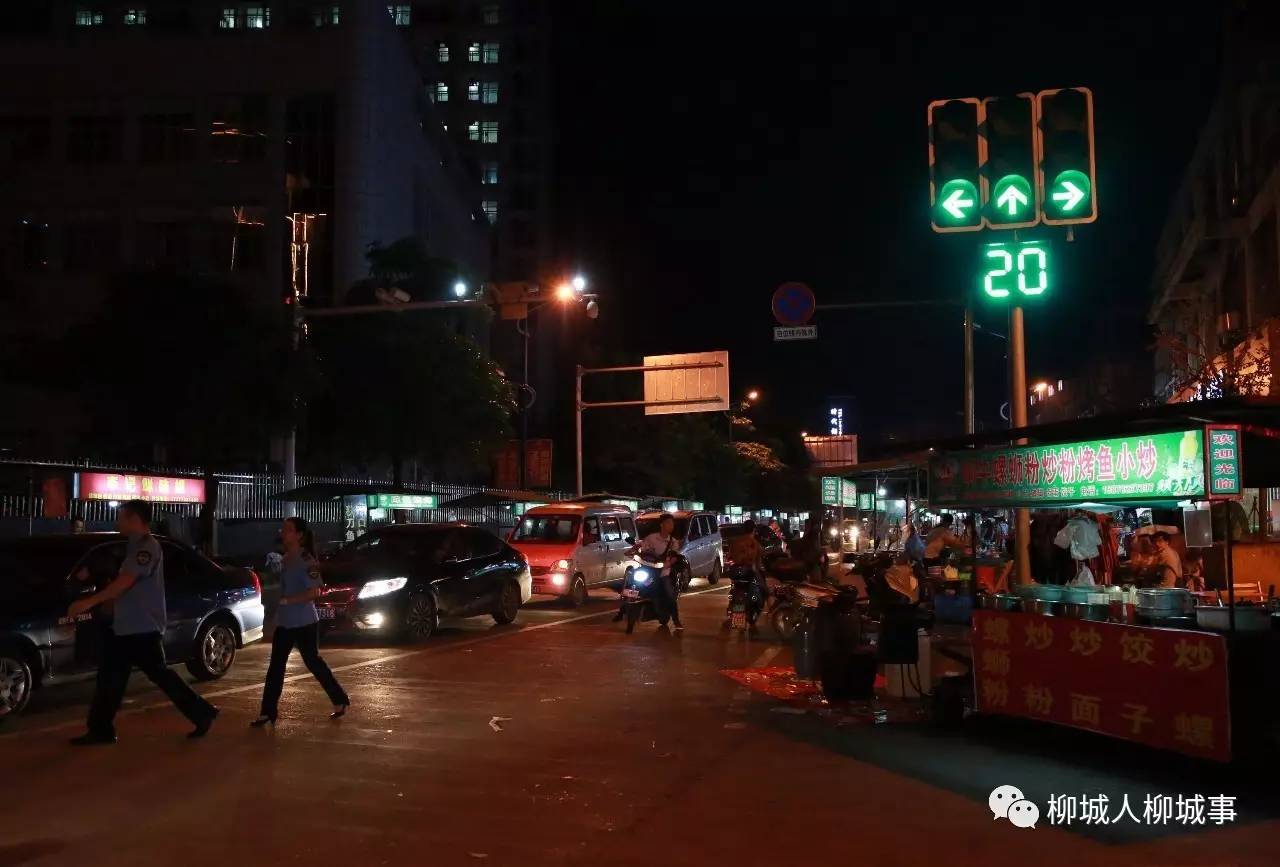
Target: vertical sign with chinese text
x: 1166, y: 688
x: 1224, y: 461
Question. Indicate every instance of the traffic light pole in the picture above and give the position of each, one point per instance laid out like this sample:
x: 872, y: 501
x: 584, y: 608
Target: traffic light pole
x: 1018, y: 416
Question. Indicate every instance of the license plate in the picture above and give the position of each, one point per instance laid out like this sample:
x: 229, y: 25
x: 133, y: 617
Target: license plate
x: 631, y: 594
x: 739, y: 620
x: 326, y: 613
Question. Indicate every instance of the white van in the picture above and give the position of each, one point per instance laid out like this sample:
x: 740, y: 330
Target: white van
x: 699, y: 533
x: 572, y: 547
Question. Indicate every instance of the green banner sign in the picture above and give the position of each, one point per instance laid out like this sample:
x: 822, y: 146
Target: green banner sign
x: 401, y: 501
x: 1224, y: 462
x: 733, y: 511
x: 839, y: 492
x: 1160, y: 466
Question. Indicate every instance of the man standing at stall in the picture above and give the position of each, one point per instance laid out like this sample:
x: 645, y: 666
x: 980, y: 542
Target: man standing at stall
x: 940, y: 539
x: 1168, y: 563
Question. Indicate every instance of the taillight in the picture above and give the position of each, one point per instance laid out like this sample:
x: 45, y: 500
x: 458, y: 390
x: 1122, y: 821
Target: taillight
x: 257, y: 582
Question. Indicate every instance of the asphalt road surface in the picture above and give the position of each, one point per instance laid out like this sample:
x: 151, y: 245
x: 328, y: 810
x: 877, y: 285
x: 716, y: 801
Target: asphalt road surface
x: 561, y: 740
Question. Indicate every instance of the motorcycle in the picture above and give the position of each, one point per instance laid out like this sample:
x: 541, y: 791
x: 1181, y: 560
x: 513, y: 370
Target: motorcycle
x: 642, y: 593
x: 744, y: 607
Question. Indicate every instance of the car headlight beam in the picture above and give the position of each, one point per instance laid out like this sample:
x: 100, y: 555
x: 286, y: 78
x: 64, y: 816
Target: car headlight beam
x: 382, y: 587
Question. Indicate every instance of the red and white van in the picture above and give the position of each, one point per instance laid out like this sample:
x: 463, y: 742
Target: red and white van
x: 572, y: 547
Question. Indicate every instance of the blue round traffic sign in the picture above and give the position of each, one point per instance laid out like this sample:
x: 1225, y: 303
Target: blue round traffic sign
x: 793, y: 304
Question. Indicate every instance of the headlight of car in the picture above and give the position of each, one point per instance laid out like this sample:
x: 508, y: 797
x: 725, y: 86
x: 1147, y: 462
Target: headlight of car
x: 382, y: 587
x: 563, y: 564
x: 640, y: 576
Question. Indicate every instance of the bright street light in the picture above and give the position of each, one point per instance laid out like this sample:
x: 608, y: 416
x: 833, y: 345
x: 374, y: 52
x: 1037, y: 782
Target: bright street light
x: 579, y: 283
x: 460, y: 289
x: 564, y: 292
x: 753, y: 395
x: 803, y: 434
x: 880, y: 492
x: 1040, y: 387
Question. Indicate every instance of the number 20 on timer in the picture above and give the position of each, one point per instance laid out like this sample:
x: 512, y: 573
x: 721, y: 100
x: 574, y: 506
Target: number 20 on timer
x: 1015, y: 271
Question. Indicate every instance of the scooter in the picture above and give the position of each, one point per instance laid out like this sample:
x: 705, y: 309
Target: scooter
x: 642, y: 594
x: 743, y: 605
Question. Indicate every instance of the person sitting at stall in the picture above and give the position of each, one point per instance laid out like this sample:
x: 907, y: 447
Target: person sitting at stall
x: 1193, y: 571
x: 1168, y: 563
x: 941, y: 539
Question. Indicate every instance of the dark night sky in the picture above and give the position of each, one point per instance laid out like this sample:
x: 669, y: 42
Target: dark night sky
x: 706, y: 157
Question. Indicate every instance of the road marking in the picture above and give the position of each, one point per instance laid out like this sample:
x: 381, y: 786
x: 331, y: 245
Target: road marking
x: 364, y: 663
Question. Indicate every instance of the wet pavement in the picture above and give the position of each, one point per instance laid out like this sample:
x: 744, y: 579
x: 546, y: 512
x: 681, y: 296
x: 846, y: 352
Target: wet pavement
x: 561, y: 740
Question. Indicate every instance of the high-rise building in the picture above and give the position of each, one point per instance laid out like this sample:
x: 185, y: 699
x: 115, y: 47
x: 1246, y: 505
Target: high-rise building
x: 271, y: 142
x: 486, y: 65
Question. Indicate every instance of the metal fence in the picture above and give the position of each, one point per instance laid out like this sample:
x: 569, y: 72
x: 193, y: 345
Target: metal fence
x: 243, y: 496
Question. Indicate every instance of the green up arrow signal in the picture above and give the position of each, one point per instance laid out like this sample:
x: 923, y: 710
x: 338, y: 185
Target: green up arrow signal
x: 957, y: 203
x: 1012, y: 199
x: 1069, y: 193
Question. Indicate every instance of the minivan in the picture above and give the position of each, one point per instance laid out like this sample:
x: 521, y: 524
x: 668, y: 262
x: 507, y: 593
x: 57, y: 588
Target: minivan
x: 572, y: 547
x: 701, y: 543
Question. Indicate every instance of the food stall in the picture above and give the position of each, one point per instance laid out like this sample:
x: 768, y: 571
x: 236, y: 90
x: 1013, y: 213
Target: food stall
x: 1159, y: 666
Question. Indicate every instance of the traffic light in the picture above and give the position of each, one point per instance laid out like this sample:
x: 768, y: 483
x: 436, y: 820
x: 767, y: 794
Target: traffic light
x: 1009, y: 164
x: 954, y: 160
x: 1066, y: 170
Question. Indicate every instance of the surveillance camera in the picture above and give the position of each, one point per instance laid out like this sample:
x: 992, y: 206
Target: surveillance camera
x: 593, y: 310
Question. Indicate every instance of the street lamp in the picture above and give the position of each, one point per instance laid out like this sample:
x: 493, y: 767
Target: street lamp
x: 460, y: 289
x: 579, y: 283
x: 565, y: 292
x: 753, y: 395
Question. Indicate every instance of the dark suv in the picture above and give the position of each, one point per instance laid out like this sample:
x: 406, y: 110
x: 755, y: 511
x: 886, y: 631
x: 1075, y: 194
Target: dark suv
x: 400, y: 579
x: 212, y: 610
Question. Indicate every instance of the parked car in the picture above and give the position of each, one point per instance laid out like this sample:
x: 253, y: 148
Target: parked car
x: 572, y: 547
x: 400, y: 579
x: 213, y: 610
x: 701, y: 545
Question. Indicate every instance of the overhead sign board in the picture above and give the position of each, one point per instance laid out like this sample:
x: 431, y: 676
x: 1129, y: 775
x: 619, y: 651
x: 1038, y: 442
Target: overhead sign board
x: 793, y: 304
x: 702, y: 389
x: 802, y: 332
x: 1163, y: 466
x: 839, y: 492
x: 133, y: 486
x: 831, y: 451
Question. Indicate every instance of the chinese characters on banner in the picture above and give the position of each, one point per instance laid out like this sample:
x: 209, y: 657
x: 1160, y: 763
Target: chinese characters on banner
x: 506, y: 465
x: 1224, y: 461
x: 1122, y: 468
x: 129, y: 486
x: 1166, y: 688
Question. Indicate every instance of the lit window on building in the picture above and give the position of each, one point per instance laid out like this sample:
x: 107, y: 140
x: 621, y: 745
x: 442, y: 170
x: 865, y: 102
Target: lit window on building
x: 326, y: 16
x: 489, y: 93
x: 86, y: 17
x: 489, y: 132
x: 473, y: 52
x: 442, y: 52
x: 442, y: 92
x: 230, y: 19
x: 135, y: 17
x: 473, y: 131
x: 491, y: 13
x: 491, y: 52
x: 257, y: 17
x: 490, y: 208
x: 473, y: 91
x: 401, y: 14
x: 489, y: 172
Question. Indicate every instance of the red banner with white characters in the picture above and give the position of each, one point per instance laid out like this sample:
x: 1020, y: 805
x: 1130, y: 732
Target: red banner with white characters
x: 132, y: 486
x: 1166, y: 688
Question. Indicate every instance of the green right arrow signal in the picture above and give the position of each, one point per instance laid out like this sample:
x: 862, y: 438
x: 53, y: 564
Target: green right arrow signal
x: 1069, y: 193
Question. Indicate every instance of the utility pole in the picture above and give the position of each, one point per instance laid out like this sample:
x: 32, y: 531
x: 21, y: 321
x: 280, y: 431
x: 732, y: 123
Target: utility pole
x: 968, y: 370
x: 1018, y: 416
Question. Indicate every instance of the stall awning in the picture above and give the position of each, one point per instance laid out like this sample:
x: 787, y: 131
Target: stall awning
x: 485, y: 499
x: 318, y: 492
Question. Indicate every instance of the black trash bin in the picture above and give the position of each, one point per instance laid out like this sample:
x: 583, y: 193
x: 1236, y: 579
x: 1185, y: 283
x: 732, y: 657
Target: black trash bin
x: 847, y: 666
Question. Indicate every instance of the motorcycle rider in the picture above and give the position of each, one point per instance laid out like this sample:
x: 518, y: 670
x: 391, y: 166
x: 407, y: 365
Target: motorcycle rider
x: 745, y: 550
x: 661, y: 546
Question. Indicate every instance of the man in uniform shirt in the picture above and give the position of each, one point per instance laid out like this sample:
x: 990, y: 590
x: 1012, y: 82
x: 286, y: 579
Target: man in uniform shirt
x: 136, y: 635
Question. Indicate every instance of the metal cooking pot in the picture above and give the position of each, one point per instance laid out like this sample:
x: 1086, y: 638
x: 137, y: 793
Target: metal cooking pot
x: 1086, y: 611
x: 1165, y: 601
x: 999, y: 601
x: 1249, y: 618
x: 1043, y: 607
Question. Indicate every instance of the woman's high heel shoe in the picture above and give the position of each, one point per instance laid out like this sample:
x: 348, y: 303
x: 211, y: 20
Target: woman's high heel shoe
x: 263, y: 721
x: 340, y: 712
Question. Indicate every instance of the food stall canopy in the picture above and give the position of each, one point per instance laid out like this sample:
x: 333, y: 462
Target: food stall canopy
x: 318, y: 492
x: 484, y: 499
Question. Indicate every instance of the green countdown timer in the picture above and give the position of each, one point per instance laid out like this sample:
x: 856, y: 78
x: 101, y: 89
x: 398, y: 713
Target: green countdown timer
x: 1013, y: 272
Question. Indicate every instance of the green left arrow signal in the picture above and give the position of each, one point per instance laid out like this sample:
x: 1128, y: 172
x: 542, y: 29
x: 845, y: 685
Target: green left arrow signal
x: 957, y: 204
